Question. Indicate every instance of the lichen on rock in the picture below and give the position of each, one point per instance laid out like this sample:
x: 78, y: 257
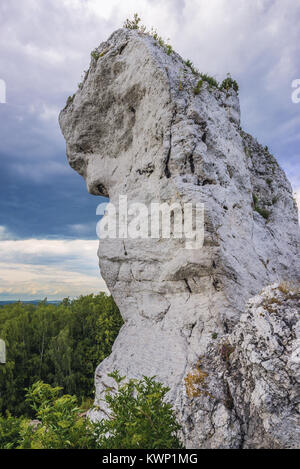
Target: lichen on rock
x: 265, y: 369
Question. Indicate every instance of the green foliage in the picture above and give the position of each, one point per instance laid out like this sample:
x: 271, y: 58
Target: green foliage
x: 169, y: 49
x: 229, y: 83
x: 59, y: 425
x: 70, y: 99
x: 60, y: 345
x: 10, y: 428
x: 132, y: 24
x: 269, y: 182
x: 210, y: 80
x: 139, y: 417
x: 261, y: 210
x: 95, y: 54
x: 190, y: 64
x: 255, y: 199
x: 135, y: 24
x: 198, y: 87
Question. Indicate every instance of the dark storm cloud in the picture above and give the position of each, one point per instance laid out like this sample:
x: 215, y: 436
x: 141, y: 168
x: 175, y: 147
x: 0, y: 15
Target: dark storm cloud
x: 45, y: 47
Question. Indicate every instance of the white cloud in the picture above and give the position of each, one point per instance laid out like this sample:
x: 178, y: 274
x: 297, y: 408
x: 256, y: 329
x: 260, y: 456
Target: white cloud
x: 20, y: 281
x: 292, y: 168
x: 45, y: 46
x: 40, y: 170
x: 44, y: 112
x: 82, y: 229
x: 50, y: 56
x: 5, y: 234
x: 49, y: 268
x: 257, y: 41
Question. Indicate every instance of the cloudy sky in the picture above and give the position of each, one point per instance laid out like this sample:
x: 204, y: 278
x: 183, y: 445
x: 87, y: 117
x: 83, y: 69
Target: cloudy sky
x: 48, y: 242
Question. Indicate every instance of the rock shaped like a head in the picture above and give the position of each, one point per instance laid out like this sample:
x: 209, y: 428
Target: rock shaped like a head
x: 124, y: 92
x: 144, y: 125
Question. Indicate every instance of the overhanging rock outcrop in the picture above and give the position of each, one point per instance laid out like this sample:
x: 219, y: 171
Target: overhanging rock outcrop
x: 137, y: 127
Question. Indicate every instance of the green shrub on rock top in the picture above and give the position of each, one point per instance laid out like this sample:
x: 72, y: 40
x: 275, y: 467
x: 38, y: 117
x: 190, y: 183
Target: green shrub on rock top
x: 95, y: 54
x: 132, y: 24
x: 190, y: 64
x: 210, y: 80
x: 229, y: 83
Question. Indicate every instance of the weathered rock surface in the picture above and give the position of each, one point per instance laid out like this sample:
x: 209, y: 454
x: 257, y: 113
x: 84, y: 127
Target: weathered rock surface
x: 264, y: 371
x: 136, y: 128
x: 248, y: 381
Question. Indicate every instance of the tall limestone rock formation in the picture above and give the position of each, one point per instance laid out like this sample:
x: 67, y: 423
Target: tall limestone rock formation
x: 139, y: 126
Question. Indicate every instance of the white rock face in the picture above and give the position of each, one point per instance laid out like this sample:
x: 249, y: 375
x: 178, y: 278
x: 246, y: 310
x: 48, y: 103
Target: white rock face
x: 264, y: 373
x: 136, y: 128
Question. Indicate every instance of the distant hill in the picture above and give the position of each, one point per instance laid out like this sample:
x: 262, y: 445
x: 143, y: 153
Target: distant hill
x: 34, y: 302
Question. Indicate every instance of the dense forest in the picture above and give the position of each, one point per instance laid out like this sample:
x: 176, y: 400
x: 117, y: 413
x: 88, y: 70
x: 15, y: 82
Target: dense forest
x: 60, y: 345
x: 46, y: 385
